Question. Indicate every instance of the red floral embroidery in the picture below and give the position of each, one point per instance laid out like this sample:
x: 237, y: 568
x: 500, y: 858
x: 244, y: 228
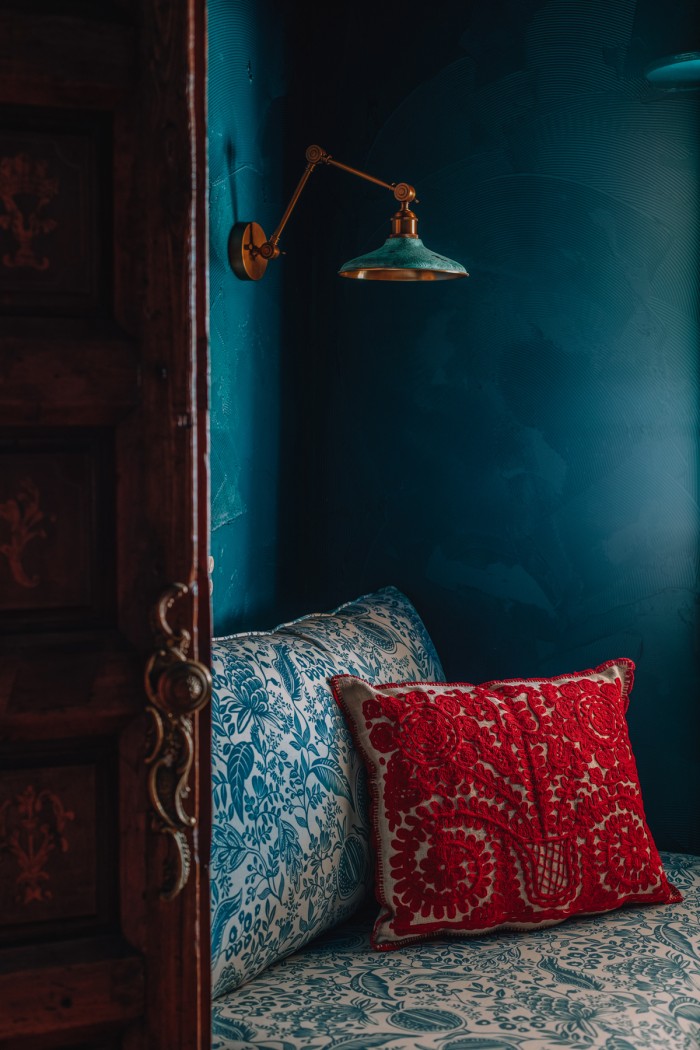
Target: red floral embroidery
x: 427, y: 734
x: 623, y: 852
x: 384, y: 738
x: 507, y: 804
x: 453, y: 876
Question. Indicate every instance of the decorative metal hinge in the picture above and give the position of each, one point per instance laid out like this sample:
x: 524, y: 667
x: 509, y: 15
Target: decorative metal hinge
x: 176, y: 688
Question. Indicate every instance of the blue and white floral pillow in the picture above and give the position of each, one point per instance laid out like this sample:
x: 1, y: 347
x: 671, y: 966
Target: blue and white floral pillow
x: 290, y: 842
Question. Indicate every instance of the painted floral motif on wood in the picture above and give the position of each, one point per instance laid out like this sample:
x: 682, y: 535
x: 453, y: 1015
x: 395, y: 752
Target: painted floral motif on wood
x: 26, y: 523
x: 32, y: 827
x: 55, y: 233
x: 56, y: 528
x: 26, y: 190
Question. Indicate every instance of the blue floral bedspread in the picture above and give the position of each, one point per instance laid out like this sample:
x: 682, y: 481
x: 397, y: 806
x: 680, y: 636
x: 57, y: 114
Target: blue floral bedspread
x: 627, y: 980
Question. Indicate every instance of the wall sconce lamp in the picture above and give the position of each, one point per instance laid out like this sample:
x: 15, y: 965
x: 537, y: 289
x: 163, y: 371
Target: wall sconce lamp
x: 402, y: 257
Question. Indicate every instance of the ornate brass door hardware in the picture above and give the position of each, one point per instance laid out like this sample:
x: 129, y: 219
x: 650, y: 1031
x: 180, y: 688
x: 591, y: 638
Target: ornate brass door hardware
x: 176, y: 687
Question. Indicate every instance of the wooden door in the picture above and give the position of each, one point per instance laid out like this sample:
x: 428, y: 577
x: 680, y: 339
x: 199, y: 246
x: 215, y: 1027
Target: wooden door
x: 103, y: 506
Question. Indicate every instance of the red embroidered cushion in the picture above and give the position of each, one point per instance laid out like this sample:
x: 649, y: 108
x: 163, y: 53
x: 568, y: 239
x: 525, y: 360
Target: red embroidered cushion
x: 509, y: 804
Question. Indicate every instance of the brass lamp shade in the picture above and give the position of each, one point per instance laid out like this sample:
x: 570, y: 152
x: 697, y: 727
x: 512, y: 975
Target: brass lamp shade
x: 402, y: 259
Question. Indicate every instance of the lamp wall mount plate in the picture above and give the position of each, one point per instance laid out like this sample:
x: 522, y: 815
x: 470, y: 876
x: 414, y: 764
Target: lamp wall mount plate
x: 403, y: 256
x: 246, y: 251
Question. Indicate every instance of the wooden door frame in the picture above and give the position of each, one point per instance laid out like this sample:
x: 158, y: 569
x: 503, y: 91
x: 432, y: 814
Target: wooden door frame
x: 178, y: 1005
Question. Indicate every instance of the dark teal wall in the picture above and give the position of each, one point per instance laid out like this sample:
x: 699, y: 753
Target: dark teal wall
x: 247, y: 89
x: 517, y: 451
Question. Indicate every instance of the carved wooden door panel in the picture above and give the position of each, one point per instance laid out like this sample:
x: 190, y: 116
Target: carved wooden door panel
x: 103, y: 506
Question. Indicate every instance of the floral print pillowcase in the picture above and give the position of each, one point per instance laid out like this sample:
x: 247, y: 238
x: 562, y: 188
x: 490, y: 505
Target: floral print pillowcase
x: 290, y: 841
x: 504, y: 805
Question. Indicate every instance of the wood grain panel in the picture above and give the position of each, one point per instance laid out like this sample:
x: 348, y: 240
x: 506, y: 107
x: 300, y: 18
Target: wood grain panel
x: 79, y: 376
x: 63, y: 58
x: 78, y: 985
x: 92, y: 1037
x: 90, y: 687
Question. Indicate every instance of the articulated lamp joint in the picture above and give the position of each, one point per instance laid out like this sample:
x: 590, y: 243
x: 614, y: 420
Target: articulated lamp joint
x: 404, y: 193
x: 317, y: 155
x: 268, y: 250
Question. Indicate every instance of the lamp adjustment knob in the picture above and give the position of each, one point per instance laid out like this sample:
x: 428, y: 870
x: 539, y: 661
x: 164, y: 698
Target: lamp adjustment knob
x: 404, y: 192
x: 314, y: 154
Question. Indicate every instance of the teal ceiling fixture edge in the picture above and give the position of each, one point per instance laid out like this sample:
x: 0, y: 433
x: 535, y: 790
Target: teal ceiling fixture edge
x: 676, y: 72
x: 407, y: 256
x: 403, y: 257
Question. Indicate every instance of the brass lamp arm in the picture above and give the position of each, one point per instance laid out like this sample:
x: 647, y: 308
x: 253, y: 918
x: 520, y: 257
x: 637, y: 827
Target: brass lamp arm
x: 295, y: 197
x: 317, y: 155
x: 250, y: 250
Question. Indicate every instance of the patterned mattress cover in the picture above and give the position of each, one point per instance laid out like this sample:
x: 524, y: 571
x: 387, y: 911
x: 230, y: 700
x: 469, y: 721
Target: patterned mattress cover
x: 627, y: 980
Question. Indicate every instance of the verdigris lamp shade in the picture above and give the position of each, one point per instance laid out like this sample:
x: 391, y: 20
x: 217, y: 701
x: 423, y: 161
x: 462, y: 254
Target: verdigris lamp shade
x: 403, y: 256
x: 402, y: 259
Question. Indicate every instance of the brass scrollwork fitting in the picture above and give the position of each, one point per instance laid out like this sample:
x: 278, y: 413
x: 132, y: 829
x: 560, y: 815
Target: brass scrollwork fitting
x: 176, y: 687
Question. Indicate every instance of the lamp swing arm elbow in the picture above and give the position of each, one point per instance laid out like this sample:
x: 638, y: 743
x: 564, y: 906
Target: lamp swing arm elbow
x: 250, y: 249
x: 314, y: 156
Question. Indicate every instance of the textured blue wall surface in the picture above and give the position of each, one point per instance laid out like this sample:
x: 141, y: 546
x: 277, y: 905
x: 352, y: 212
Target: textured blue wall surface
x: 247, y: 89
x: 518, y: 451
